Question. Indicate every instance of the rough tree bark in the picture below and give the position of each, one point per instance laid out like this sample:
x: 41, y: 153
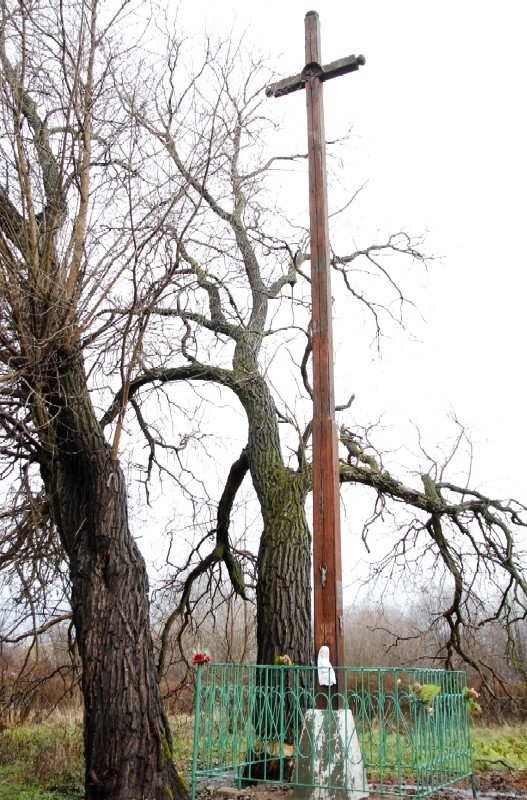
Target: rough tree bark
x: 127, y: 740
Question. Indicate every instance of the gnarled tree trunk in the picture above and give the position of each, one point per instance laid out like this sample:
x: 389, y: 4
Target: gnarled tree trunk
x: 283, y: 591
x: 128, y: 748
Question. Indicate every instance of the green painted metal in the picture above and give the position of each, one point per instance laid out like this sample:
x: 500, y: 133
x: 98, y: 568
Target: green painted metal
x: 252, y: 724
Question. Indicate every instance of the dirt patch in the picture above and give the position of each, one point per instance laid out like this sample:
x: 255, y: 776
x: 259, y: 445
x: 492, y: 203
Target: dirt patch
x: 503, y: 785
x: 503, y: 782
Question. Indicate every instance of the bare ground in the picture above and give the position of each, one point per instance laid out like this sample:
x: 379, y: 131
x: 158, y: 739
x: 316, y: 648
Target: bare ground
x: 502, y: 785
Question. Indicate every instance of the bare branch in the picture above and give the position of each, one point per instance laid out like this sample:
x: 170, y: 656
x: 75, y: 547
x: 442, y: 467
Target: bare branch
x: 222, y: 552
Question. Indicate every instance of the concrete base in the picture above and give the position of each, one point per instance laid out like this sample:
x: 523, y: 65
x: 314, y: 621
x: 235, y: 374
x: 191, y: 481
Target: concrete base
x: 329, y: 758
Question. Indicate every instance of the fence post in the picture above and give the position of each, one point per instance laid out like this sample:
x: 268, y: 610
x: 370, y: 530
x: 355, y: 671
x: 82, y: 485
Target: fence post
x: 195, y: 743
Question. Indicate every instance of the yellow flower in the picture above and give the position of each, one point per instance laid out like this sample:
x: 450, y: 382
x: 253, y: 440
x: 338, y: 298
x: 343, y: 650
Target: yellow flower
x: 283, y: 661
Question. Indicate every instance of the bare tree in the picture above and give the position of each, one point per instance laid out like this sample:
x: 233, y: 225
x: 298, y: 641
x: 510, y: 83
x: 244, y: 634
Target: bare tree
x: 241, y: 290
x: 463, y: 541
x: 66, y: 163
x: 228, y: 302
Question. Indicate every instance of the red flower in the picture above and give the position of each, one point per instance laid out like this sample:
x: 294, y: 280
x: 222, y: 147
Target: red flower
x: 201, y: 658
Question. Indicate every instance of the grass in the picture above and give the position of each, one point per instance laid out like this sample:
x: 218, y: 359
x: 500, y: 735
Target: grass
x: 44, y: 762
x: 500, y: 747
x: 41, y: 762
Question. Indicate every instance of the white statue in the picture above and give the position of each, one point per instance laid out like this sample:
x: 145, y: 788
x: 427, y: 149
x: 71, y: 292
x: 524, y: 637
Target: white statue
x: 326, y: 673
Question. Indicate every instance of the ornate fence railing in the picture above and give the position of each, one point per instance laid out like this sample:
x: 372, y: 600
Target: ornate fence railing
x: 389, y: 731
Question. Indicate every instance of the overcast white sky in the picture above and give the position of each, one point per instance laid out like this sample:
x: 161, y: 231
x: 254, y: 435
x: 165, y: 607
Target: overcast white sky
x: 440, y: 133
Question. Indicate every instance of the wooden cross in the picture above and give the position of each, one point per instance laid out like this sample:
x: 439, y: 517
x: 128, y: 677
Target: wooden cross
x: 327, y: 561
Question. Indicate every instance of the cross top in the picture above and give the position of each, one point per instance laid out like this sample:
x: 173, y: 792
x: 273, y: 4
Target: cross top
x: 313, y: 69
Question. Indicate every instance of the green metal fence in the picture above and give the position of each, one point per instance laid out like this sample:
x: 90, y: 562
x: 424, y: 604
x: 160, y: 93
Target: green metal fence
x: 396, y: 731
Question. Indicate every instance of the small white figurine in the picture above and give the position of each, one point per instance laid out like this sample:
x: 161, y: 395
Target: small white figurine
x: 326, y: 673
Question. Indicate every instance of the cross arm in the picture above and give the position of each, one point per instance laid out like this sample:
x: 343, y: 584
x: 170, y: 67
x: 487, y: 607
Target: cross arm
x: 333, y: 70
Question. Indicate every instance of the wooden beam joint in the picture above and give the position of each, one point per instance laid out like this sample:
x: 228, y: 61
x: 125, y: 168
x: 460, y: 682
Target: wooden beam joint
x: 313, y: 70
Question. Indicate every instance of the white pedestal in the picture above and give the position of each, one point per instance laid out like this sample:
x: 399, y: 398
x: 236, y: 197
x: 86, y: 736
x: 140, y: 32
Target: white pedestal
x: 329, y: 757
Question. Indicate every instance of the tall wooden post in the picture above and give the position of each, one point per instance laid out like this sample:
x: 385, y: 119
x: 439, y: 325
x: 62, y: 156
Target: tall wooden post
x: 327, y: 560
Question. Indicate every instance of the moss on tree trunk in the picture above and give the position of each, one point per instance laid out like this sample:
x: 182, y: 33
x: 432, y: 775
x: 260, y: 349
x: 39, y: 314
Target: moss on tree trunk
x: 283, y: 592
